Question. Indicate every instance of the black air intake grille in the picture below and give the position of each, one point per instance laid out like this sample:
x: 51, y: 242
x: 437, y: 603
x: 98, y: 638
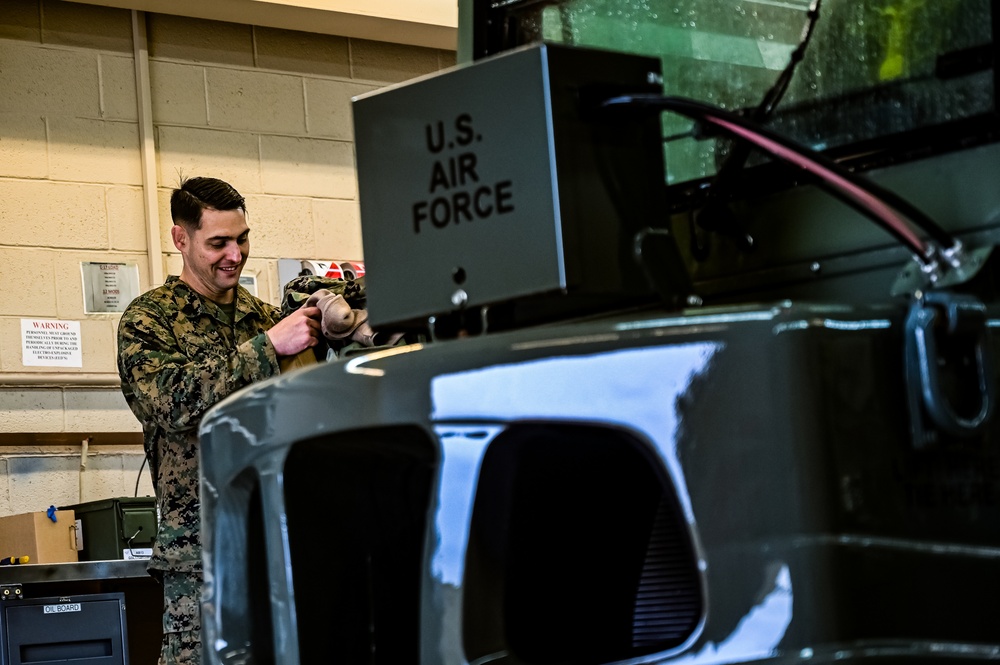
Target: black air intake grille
x: 668, y: 601
x: 578, y: 551
x: 357, y: 506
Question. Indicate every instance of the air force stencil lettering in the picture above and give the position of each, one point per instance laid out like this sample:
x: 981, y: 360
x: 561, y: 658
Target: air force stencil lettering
x: 456, y: 193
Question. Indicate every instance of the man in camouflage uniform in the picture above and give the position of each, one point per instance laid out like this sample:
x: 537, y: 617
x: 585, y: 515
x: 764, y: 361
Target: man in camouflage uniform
x: 182, y: 348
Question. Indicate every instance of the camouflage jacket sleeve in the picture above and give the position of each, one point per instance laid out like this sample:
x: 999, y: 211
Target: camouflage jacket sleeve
x: 298, y: 290
x: 173, y: 373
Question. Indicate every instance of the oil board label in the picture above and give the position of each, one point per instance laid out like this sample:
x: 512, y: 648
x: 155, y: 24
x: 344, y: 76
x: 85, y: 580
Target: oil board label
x: 61, y: 608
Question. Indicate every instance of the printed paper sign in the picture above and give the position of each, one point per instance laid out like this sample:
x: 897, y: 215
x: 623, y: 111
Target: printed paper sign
x: 108, y: 287
x: 48, y: 343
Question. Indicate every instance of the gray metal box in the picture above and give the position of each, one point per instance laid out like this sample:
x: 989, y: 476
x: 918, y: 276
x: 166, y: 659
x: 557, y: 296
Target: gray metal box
x: 87, y: 628
x: 500, y: 180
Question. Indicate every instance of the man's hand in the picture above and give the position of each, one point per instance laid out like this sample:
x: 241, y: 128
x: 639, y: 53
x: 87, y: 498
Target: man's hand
x: 296, y: 332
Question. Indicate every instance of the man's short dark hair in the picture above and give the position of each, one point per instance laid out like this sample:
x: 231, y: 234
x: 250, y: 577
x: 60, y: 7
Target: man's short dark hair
x: 196, y: 194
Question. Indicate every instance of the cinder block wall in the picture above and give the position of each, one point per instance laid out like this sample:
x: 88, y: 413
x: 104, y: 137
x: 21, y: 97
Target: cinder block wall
x: 265, y: 109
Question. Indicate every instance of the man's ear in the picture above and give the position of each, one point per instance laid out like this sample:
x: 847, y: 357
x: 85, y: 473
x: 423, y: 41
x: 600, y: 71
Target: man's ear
x: 179, y: 235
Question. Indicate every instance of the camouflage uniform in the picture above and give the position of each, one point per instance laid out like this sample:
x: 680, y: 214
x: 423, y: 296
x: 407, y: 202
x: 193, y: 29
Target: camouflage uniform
x: 178, y: 356
x: 298, y: 290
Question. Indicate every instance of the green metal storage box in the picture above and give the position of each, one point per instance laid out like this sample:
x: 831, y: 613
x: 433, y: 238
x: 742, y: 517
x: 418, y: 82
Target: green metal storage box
x: 119, y: 528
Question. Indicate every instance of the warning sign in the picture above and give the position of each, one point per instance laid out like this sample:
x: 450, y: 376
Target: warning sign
x: 47, y: 343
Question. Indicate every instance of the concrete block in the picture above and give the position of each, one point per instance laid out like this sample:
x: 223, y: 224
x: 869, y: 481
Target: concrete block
x: 94, y: 410
x: 69, y: 281
x: 38, y: 410
x: 9, y: 344
x: 231, y: 156
x: 260, y: 268
x: 23, y: 147
x: 37, y: 482
x: 118, y: 100
x: 126, y: 218
x: 110, y: 475
x: 178, y: 93
x: 199, y: 40
x: 52, y: 214
x: 89, y: 26
x: 307, y: 167
x: 173, y: 263
x: 5, y: 488
x: 256, y: 101
x: 48, y: 81
x: 328, y: 107
x: 390, y: 63
x: 133, y: 469
x: 145, y: 278
x: 99, y: 350
x: 338, y: 229
x: 10, y: 347
x: 263, y: 269
x: 280, y: 226
x: 103, y: 477
x: 302, y: 52
x: 82, y: 150
x: 21, y: 20
x: 26, y: 271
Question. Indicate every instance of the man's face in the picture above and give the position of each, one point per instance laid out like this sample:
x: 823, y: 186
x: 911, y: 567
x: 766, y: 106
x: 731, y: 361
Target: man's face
x: 215, y: 253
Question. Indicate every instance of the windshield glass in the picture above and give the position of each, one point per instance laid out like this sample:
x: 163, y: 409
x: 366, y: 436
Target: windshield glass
x: 871, y: 68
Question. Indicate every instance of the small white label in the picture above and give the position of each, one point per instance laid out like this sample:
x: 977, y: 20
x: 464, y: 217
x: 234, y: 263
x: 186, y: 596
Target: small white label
x: 79, y: 534
x: 59, y: 609
x: 137, y: 553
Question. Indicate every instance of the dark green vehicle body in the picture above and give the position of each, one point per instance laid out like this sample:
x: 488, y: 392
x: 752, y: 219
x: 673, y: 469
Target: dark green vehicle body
x: 757, y: 470
x: 803, y: 524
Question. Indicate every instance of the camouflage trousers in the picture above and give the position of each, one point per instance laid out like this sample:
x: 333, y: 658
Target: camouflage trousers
x: 181, y: 619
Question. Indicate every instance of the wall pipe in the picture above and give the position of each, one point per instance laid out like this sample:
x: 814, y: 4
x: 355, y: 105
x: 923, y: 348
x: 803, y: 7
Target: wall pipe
x: 147, y: 147
x: 58, y: 380
x: 84, y: 447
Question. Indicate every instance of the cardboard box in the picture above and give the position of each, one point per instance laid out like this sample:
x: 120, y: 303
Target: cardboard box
x: 36, y: 536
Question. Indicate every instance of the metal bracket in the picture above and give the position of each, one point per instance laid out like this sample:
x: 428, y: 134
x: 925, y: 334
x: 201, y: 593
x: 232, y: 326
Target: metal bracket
x: 955, y: 266
x: 936, y: 319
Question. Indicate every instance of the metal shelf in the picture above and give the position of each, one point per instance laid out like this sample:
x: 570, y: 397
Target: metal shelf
x: 73, y: 572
